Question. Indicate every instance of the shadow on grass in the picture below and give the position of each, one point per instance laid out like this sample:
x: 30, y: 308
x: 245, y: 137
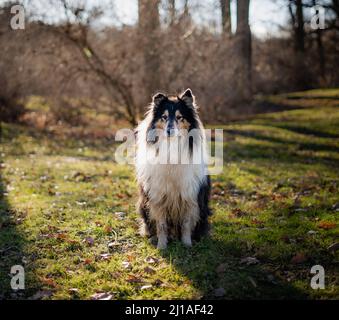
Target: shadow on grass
x: 286, y: 103
x: 12, y: 248
x: 214, y: 266
x: 264, y: 106
x: 55, y: 145
x: 306, y: 131
x: 305, y: 97
x: 279, y: 151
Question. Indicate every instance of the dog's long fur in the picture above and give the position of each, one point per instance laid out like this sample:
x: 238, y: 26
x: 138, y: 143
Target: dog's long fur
x: 173, y: 198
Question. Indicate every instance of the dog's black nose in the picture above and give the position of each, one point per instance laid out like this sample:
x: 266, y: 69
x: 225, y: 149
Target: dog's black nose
x: 170, y: 132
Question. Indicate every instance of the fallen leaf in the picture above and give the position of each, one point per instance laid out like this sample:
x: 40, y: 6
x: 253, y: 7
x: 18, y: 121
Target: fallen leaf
x: 257, y: 222
x: 108, y: 229
x: 130, y: 257
x: 327, y: 225
x: 252, y: 282
x: 61, y: 236
x: 299, y: 258
x: 270, y: 278
x: 287, y: 239
x: 158, y: 282
x: 73, y: 290
x: 249, y: 261
x: 334, y: 247
x: 149, y: 270
x: 126, y: 265
x: 17, y: 221
x: 87, y: 261
x: 48, y: 282
x: 89, y: 241
x: 105, y: 256
x: 72, y: 241
x: 113, y: 245
x: 221, y: 268
x: 41, y: 294
x: 134, y: 279
x: 145, y: 287
x: 120, y: 215
x: 237, y: 213
x: 81, y: 203
x: 102, y: 296
x: 219, y: 292
x: 151, y: 260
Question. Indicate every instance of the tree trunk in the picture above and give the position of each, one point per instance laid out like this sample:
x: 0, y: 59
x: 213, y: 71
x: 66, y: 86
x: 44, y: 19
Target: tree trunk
x: 335, y: 6
x: 321, y: 53
x: 172, y: 12
x: 244, y: 48
x: 297, y: 20
x: 300, y: 31
x: 226, y: 17
x: 149, y: 28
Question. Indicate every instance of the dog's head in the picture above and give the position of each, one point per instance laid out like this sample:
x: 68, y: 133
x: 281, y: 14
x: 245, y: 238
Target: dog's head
x: 174, y: 115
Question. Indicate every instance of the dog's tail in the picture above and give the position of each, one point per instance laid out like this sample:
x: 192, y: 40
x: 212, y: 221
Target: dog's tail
x: 202, y: 228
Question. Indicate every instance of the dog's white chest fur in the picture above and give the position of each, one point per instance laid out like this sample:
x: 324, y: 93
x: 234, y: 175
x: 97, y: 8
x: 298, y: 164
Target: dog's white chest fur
x: 172, y: 181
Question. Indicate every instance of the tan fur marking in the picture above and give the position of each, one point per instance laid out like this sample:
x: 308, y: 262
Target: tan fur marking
x: 183, y: 124
x: 160, y: 125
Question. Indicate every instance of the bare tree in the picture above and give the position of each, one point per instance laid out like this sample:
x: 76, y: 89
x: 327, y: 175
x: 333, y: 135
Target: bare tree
x: 244, y: 48
x: 299, y: 27
x: 172, y: 11
x: 149, y: 29
x: 335, y: 8
x: 296, y: 11
x: 226, y: 21
x: 77, y: 34
x: 114, y: 68
x: 321, y: 50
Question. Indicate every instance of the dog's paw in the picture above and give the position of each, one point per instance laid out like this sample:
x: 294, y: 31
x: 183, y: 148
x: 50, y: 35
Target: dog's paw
x: 153, y: 240
x: 187, y: 241
x: 143, y: 230
x: 161, y: 245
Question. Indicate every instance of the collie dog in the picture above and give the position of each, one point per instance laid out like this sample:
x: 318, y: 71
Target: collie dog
x: 171, y: 168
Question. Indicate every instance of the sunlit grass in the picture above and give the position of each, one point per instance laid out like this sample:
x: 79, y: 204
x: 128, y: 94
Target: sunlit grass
x: 276, y: 199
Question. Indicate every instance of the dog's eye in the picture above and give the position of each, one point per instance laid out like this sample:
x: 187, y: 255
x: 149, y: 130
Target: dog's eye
x: 164, y: 118
x: 179, y: 118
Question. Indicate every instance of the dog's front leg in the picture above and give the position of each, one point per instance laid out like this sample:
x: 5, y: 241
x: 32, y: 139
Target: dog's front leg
x: 162, y: 232
x: 188, y: 225
x: 186, y: 232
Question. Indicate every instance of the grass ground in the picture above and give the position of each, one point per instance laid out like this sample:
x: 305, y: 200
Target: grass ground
x: 275, y: 205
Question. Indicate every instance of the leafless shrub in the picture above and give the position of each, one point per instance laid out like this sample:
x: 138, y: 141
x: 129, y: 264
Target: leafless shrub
x: 11, y: 108
x: 105, y: 69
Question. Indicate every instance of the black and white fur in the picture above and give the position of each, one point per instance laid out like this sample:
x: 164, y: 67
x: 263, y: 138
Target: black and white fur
x: 173, y: 198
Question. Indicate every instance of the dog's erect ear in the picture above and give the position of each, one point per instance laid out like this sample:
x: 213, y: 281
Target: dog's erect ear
x: 158, y: 98
x: 188, y: 97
